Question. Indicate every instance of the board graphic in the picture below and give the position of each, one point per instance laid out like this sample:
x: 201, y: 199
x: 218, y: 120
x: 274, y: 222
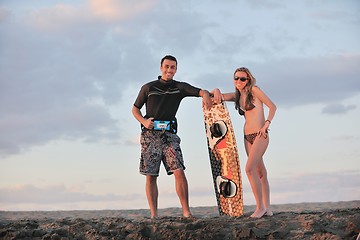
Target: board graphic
x: 224, y: 160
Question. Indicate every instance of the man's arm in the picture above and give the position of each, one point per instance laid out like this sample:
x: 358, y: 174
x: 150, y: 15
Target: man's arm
x: 206, y: 98
x: 148, y: 123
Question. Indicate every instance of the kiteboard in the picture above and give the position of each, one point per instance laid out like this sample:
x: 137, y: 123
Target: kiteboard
x: 224, y: 159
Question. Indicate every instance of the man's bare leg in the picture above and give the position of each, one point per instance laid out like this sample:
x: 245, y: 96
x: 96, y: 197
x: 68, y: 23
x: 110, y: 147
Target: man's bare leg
x: 182, y: 191
x: 152, y: 194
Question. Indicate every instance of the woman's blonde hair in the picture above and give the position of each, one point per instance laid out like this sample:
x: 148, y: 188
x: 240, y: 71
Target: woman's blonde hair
x: 249, y: 99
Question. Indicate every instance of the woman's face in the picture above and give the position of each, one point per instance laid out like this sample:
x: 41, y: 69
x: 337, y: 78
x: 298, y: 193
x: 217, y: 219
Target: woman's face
x: 240, y: 80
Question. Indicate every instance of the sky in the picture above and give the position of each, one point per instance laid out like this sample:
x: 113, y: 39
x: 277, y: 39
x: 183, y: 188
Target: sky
x: 70, y: 72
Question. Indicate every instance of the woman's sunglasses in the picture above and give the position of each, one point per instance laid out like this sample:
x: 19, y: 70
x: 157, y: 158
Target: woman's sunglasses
x: 243, y: 79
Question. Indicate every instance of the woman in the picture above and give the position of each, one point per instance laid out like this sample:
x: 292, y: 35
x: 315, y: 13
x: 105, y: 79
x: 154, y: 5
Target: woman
x: 249, y: 100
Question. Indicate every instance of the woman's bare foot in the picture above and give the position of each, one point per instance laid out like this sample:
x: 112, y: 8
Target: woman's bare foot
x: 269, y: 212
x: 258, y: 213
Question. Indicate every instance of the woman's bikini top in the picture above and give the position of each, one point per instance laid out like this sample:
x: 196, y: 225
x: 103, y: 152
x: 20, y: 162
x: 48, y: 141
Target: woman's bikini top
x: 250, y: 107
x: 242, y: 111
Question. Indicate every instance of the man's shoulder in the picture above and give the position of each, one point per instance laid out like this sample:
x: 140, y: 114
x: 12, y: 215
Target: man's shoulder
x: 186, y: 86
x: 153, y: 82
x: 149, y: 84
x: 180, y: 83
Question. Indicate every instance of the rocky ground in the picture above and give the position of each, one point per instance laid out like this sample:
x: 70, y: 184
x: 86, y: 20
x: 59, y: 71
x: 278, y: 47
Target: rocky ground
x: 341, y: 223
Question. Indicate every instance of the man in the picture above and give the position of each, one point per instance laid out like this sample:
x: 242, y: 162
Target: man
x: 159, y: 141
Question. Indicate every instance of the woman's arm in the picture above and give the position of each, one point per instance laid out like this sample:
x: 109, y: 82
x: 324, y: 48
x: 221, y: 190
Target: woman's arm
x: 267, y: 101
x: 259, y: 94
x: 219, y: 97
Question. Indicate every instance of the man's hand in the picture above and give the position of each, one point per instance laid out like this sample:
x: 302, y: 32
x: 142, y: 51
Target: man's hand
x: 149, y: 123
x: 206, y: 99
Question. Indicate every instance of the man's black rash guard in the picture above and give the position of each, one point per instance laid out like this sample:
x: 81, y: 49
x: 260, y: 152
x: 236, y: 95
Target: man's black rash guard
x: 162, y: 98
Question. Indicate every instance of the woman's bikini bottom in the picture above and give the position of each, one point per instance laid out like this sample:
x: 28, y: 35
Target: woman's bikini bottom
x: 250, y: 137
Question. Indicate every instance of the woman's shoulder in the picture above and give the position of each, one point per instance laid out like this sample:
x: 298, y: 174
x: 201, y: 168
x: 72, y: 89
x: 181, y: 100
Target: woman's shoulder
x: 256, y: 90
x: 255, y: 87
x: 258, y: 94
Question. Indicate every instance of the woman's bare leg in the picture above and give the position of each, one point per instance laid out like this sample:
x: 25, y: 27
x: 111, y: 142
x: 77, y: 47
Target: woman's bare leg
x: 265, y: 187
x: 255, y: 153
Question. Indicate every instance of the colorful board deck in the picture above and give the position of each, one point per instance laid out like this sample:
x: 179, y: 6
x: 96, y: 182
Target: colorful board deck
x: 224, y: 160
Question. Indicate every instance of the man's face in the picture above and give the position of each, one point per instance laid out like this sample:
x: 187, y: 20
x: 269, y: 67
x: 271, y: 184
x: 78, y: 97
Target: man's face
x: 168, y: 69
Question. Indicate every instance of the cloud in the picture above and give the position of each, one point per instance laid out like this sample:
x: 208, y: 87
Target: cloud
x: 61, y: 66
x: 346, y: 138
x: 307, y: 187
x: 333, y: 12
x: 257, y: 4
x: 59, y: 194
x: 312, y: 80
x: 40, y: 107
x: 63, y: 18
x: 54, y: 86
x: 134, y: 141
x: 310, y: 187
x: 57, y: 18
x: 4, y: 14
x: 86, y: 122
x: 119, y: 10
x: 337, y: 108
x: 68, y: 60
x: 294, y: 82
x: 316, y: 187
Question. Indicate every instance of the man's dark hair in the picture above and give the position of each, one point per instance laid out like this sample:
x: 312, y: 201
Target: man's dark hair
x: 168, y: 57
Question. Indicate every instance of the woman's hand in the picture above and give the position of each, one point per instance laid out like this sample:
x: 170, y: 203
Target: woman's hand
x: 265, y: 129
x: 217, y: 95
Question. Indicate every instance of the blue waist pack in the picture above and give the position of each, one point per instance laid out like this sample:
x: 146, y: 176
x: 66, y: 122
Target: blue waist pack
x: 170, y: 126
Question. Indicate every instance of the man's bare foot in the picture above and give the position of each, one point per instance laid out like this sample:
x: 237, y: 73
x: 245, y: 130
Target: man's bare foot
x: 258, y: 213
x: 187, y: 215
